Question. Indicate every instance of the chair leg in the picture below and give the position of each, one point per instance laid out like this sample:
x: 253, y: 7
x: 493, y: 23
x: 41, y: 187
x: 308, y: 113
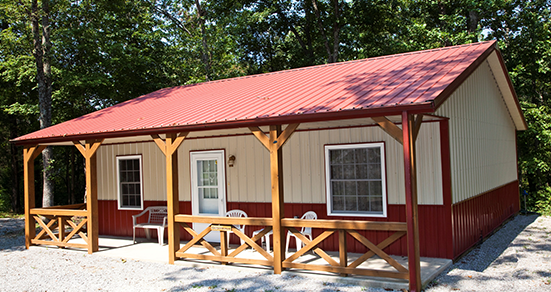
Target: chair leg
x: 298, y: 243
x: 147, y: 235
x: 160, y: 234
x: 287, y: 243
x: 267, y: 242
x: 133, y: 235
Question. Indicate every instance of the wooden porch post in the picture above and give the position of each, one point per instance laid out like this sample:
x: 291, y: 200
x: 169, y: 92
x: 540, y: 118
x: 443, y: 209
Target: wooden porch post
x: 89, y: 152
x: 169, y: 147
x: 409, y: 130
x: 276, y: 174
x: 29, y: 155
x: 274, y: 144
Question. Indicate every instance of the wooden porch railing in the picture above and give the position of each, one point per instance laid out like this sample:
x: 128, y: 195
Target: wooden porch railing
x: 350, y: 227
x: 223, y: 224
x: 342, y: 227
x: 60, y: 218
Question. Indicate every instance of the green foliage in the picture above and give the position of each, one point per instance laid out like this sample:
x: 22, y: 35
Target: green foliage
x: 108, y: 51
x: 534, y: 149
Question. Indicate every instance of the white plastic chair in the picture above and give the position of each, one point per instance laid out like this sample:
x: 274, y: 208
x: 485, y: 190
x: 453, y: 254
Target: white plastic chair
x: 265, y: 238
x: 237, y: 214
x: 306, y: 231
x: 156, y: 220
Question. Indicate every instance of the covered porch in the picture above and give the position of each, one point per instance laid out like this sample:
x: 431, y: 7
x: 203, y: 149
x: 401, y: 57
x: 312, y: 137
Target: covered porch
x: 62, y: 228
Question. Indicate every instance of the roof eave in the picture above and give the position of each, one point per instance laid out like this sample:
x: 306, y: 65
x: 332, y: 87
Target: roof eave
x: 427, y: 107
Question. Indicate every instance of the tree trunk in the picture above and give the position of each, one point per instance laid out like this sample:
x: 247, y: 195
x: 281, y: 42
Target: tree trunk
x: 205, y: 54
x: 72, y: 183
x: 332, y: 51
x: 41, y: 54
x: 15, y: 204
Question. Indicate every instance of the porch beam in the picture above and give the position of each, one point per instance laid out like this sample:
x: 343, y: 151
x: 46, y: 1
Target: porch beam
x: 169, y: 147
x: 30, y: 153
x: 408, y: 130
x: 389, y: 127
x: 88, y: 150
x: 274, y: 143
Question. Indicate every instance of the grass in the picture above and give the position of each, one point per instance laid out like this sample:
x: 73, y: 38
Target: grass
x: 10, y: 215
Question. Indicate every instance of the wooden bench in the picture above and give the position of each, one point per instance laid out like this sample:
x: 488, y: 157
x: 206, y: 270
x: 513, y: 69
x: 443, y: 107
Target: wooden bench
x: 156, y: 220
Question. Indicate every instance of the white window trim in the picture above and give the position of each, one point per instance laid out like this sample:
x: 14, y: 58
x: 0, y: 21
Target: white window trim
x: 119, y: 203
x: 380, y: 145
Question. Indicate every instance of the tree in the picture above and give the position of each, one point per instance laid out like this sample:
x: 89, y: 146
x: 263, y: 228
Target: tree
x: 40, y: 21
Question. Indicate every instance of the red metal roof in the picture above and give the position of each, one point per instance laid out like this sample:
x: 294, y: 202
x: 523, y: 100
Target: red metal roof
x: 416, y: 81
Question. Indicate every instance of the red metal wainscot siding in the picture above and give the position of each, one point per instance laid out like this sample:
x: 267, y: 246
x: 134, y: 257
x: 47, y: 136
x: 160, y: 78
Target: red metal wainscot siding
x: 477, y: 217
x: 432, y: 226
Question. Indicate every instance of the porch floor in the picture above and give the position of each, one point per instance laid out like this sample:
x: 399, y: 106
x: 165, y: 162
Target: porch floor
x: 150, y: 250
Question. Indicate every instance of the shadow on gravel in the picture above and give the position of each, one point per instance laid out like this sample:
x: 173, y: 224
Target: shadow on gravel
x: 489, y: 252
x: 246, y: 283
x: 12, y: 234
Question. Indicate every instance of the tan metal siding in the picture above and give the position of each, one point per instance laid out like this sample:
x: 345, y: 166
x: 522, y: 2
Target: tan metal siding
x: 304, y: 174
x: 482, y: 136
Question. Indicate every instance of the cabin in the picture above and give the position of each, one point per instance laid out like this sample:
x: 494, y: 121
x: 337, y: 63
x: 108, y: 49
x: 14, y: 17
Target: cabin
x: 411, y: 154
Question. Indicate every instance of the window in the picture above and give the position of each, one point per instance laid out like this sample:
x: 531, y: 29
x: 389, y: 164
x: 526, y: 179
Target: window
x: 129, y: 169
x: 355, y: 177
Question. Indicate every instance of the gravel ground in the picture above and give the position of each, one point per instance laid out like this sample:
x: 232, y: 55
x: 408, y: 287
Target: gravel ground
x: 516, y: 258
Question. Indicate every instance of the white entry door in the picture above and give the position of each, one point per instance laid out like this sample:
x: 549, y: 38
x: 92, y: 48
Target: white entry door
x: 208, y: 188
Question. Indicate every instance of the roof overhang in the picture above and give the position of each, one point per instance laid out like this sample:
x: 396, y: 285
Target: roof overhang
x: 507, y: 90
x: 354, y: 117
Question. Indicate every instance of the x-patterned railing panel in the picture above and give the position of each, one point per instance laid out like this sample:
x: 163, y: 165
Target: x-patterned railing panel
x: 351, y: 228
x: 60, y: 217
x: 228, y: 222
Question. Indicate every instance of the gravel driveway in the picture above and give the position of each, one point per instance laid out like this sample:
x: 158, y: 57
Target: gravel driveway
x: 516, y: 258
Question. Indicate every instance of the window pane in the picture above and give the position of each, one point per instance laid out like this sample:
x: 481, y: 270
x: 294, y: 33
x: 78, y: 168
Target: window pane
x: 213, y: 179
x: 348, y: 171
x: 363, y: 204
x: 338, y: 203
x: 374, y: 155
x: 348, y: 155
x: 336, y: 172
x: 122, y: 165
x: 214, y: 193
x: 123, y: 177
x: 350, y: 203
x: 363, y: 188
x: 338, y: 188
x: 336, y: 156
x: 350, y: 188
x: 136, y: 164
x: 361, y: 171
x: 376, y: 204
x: 375, y: 188
x: 201, y: 192
x: 374, y: 171
x: 361, y: 155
